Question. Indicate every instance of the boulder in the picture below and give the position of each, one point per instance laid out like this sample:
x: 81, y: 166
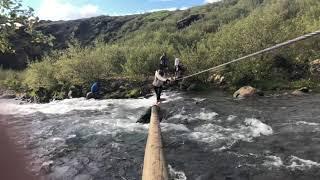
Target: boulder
x: 46, y: 168
x: 23, y: 96
x: 8, y: 96
x: 89, y: 95
x: 70, y: 94
x: 301, y: 92
x: 75, y: 92
x: 185, y: 22
x: 217, y: 79
x: 145, y: 118
x: 192, y: 87
x: 315, y: 68
x: 246, y: 91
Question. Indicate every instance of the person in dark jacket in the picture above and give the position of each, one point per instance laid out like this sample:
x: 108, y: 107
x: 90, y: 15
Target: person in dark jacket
x: 164, y: 62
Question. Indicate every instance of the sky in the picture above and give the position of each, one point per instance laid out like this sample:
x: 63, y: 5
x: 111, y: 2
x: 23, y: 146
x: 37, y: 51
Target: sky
x: 75, y: 9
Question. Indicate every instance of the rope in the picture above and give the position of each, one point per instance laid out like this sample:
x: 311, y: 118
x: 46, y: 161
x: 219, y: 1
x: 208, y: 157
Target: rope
x: 277, y: 46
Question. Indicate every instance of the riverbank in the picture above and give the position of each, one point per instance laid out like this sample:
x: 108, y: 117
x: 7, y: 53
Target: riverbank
x: 124, y: 88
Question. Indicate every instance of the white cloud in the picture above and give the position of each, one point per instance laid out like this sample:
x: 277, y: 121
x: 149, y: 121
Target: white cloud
x: 211, y: 1
x: 183, y: 8
x: 164, y: 9
x: 64, y: 10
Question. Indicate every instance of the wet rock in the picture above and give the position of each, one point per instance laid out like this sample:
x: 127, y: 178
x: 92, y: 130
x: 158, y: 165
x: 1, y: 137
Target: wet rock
x: 115, y: 85
x: 89, y: 95
x: 301, y: 92
x: 74, y: 92
x: 122, y: 88
x: 244, y: 92
x: 145, y: 118
x: 217, y: 79
x: 192, y: 87
x: 8, y: 96
x: 70, y: 94
x: 46, y: 168
x: 315, y: 68
x: 23, y: 96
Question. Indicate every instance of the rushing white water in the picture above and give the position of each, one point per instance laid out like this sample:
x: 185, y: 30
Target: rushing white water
x: 294, y: 163
x: 177, y: 175
x: 108, y: 128
x: 273, y: 161
x: 121, y: 114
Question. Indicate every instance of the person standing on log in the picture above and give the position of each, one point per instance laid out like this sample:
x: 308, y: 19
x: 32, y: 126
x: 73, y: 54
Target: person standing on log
x: 158, y: 82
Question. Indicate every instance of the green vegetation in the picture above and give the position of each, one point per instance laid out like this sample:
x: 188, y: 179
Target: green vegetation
x: 228, y: 30
x: 14, y: 17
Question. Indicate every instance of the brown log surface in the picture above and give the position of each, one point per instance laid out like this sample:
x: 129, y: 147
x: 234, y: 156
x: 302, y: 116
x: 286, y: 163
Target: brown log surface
x: 155, y: 166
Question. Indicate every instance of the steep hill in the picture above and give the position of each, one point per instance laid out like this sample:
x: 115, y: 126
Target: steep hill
x: 204, y: 19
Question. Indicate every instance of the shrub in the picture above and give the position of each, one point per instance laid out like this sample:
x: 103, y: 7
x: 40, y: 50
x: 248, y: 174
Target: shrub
x: 41, y: 75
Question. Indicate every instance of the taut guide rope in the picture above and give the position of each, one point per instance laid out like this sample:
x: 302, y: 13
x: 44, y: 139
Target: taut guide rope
x: 301, y: 38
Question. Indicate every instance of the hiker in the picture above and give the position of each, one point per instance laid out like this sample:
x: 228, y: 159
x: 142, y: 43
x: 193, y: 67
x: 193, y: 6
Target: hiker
x: 94, y: 93
x: 158, y: 81
x: 177, y: 68
x: 164, y: 62
x: 95, y: 88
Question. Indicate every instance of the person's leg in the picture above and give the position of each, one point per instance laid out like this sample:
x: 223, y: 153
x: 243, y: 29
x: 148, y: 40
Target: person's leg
x: 156, y: 90
x: 160, y: 90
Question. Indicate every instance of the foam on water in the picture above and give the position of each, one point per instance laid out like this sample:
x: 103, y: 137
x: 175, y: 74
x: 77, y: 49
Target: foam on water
x: 68, y: 105
x: 273, y: 161
x: 301, y: 164
x: 203, y: 115
x: 165, y: 127
x: 307, y: 123
x: 212, y: 133
x: 176, y: 175
x: 258, y: 128
x: 294, y: 163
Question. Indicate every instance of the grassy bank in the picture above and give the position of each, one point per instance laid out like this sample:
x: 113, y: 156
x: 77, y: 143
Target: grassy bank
x: 228, y: 30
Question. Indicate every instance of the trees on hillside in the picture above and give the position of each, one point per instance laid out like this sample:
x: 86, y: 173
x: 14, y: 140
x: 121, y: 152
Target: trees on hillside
x: 14, y: 17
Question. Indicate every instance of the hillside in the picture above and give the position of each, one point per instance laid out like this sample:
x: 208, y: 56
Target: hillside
x: 105, y: 47
x: 207, y: 19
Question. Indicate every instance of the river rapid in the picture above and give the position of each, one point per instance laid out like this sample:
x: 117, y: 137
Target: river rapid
x: 207, y: 136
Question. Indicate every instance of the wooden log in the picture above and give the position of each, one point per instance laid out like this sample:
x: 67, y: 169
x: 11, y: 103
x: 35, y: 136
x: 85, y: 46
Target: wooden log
x: 155, y: 166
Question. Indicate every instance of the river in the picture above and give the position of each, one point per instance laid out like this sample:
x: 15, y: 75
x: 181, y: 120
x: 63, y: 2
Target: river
x: 207, y: 136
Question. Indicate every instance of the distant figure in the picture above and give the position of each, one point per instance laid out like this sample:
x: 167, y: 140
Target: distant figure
x: 164, y: 61
x: 177, y: 68
x: 95, y: 88
x: 94, y: 93
x: 158, y: 81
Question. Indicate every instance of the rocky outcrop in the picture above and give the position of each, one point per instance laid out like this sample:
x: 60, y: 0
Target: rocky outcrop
x: 7, y: 94
x: 75, y: 92
x: 246, y: 91
x: 185, y: 22
x: 301, y: 92
x: 315, y: 68
x: 86, y: 31
x: 217, y: 79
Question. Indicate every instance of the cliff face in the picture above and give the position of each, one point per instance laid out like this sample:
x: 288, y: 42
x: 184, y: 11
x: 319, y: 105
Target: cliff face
x: 86, y: 31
